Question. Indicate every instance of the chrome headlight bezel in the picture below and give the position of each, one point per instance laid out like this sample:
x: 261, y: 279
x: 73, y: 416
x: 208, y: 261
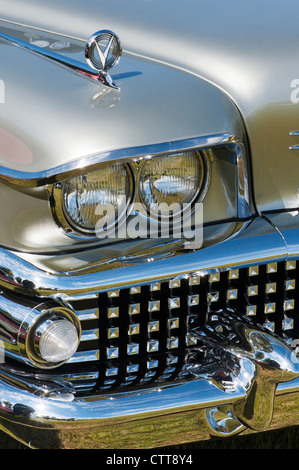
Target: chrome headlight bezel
x: 198, y: 195
x: 129, y: 190
x: 34, y: 325
x: 134, y: 167
x: 59, y: 212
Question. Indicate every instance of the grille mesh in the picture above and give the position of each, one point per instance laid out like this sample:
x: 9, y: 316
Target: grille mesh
x: 144, y: 333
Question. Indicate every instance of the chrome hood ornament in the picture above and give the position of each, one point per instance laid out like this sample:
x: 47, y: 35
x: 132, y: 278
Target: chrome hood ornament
x: 102, y: 51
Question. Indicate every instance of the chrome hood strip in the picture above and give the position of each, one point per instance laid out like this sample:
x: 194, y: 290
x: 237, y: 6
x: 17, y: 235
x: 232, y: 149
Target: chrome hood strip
x: 63, y: 60
x: 102, y: 77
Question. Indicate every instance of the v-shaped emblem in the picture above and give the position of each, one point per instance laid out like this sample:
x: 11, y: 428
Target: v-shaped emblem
x: 103, y: 50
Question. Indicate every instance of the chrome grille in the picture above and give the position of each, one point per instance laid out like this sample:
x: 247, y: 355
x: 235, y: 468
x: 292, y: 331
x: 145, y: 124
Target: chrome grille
x: 144, y: 333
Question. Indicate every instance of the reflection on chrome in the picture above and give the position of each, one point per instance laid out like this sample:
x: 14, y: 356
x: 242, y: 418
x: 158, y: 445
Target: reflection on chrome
x: 259, y: 359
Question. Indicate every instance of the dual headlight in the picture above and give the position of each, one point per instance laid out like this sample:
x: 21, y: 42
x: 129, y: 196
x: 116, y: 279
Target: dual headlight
x: 108, y: 192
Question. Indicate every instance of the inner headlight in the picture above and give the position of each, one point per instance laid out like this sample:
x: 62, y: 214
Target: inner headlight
x: 170, y: 179
x: 83, y: 197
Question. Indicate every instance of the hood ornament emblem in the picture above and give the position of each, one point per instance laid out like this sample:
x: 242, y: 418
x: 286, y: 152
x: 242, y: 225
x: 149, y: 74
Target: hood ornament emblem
x: 102, y: 51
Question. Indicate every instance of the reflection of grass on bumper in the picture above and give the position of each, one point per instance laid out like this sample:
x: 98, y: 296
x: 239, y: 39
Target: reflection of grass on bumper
x: 279, y: 439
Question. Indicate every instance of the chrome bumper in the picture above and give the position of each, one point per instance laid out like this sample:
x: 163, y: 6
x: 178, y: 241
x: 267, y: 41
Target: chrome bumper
x: 176, y: 414
x: 239, y: 393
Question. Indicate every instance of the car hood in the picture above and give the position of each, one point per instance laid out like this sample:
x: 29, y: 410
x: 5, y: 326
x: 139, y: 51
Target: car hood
x: 242, y: 48
x: 247, y: 50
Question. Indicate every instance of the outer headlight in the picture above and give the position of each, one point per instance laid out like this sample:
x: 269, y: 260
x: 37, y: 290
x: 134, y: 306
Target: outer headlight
x: 107, y: 187
x: 170, y: 179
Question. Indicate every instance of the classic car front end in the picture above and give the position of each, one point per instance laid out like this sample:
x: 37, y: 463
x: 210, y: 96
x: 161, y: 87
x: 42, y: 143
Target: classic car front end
x: 149, y: 222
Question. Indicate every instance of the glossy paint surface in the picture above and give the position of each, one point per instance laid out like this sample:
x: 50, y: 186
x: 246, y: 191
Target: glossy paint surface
x: 61, y: 115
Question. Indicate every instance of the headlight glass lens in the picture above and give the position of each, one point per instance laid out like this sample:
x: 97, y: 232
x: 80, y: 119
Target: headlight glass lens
x: 59, y: 341
x: 171, y: 179
x: 86, y: 198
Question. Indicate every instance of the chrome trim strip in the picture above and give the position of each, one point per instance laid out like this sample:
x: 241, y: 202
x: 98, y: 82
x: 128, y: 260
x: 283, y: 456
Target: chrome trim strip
x: 78, y: 381
x: 243, y: 185
x: 83, y: 296
x: 85, y: 387
x: 98, y: 160
x: 89, y: 335
x: 84, y: 356
x: 90, y: 314
x: 34, y: 28
x: 75, y: 376
x: 232, y: 253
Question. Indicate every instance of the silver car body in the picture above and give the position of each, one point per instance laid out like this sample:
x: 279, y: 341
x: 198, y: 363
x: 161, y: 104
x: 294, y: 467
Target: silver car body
x: 191, y: 76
